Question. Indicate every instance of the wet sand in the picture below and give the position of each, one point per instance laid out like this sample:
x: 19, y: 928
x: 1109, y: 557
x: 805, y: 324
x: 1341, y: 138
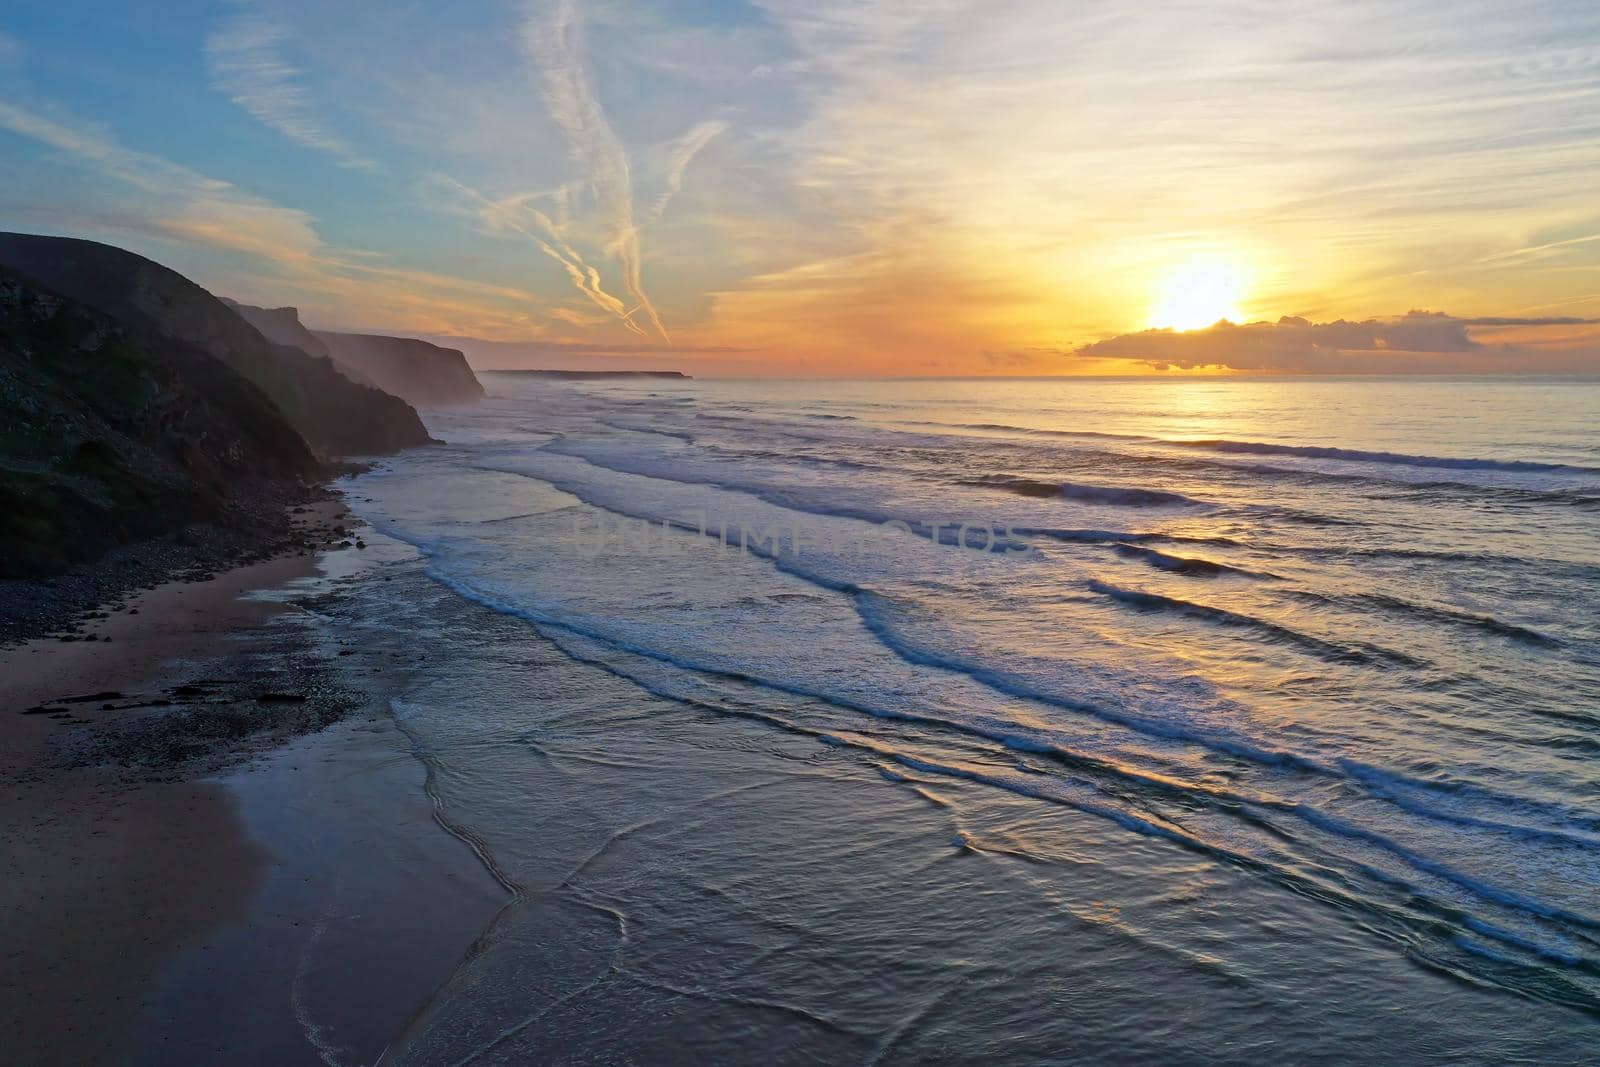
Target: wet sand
x: 88, y: 883
x: 160, y: 891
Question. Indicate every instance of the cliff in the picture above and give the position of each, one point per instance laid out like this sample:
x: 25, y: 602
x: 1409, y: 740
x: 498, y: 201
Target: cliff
x: 423, y: 373
x: 105, y: 440
x: 283, y: 326
x: 158, y: 306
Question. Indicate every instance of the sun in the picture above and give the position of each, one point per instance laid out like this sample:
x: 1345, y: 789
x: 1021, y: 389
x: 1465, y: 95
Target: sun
x: 1198, y: 294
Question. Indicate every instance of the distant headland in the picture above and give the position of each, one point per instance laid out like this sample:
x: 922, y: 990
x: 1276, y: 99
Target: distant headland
x: 598, y: 373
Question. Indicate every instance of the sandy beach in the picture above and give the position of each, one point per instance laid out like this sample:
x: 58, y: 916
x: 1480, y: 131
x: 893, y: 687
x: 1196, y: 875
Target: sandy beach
x: 186, y: 799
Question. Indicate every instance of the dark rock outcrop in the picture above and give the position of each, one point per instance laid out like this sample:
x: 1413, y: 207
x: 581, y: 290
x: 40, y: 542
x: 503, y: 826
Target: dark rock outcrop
x: 107, y: 439
x: 425, y: 374
x: 156, y: 305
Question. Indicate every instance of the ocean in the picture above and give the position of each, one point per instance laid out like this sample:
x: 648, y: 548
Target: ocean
x: 1009, y: 721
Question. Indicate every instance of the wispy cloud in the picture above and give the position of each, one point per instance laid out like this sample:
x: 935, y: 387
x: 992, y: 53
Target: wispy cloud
x: 245, y: 56
x: 518, y: 214
x: 1326, y: 164
x: 174, y: 203
x: 552, y: 37
x: 683, y: 152
x: 1548, y: 248
x: 183, y: 203
x: 897, y: 181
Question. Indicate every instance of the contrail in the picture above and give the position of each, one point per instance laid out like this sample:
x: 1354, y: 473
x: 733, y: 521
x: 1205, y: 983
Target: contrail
x: 554, y: 45
x: 683, y: 153
x: 1533, y: 250
x: 548, y: 238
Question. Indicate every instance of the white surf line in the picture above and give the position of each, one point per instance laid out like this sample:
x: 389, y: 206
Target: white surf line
x: 315, y: 1033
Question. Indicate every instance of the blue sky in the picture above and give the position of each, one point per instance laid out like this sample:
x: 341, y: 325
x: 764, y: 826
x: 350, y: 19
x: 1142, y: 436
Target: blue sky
x: 941, y: 186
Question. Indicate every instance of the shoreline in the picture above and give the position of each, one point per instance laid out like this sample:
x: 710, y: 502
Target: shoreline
x: 66, y: 607
x: 149, y: 774
x: 94, y: 910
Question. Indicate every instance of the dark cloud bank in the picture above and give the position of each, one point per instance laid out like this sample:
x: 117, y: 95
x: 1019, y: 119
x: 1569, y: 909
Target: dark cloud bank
x: 1420, y: 342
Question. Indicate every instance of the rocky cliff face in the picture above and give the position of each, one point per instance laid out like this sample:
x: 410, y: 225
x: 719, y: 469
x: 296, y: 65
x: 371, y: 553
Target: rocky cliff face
x: 281, y: 326
x: 425, y: 374
x: 416, y: 371
x: 105, y: 440
x: 157, y: 306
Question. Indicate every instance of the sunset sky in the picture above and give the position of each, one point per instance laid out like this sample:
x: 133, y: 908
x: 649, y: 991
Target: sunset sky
x: 914, y: 187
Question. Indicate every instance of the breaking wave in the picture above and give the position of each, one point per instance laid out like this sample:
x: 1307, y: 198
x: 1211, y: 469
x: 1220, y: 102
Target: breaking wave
x: 1093, y: 494
x: 1352, y: 455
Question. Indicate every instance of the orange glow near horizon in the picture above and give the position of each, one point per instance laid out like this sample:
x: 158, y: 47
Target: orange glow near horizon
x: 837, y: 188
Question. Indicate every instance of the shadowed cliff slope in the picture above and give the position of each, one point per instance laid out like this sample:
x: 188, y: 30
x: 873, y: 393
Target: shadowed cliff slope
x: 105, y: 440
x: 283, y: 326
x: 155, y: 304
